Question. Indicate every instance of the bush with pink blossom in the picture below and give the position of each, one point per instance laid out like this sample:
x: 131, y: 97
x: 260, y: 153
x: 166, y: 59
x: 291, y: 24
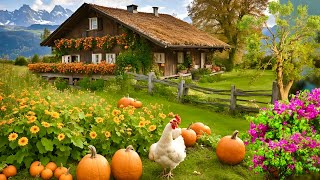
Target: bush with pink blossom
x: 285, y: 139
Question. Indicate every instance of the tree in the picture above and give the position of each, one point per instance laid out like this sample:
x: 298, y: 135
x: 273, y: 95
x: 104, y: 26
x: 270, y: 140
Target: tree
x: 292, y: 43
x: 35, y: 59
x: 222, y: 17
x: 46, y: 33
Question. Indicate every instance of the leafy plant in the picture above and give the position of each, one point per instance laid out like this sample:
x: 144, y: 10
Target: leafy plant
x: 35, y: 59
x: 21, y: 61
x: 61, y: 84
x: 181, y: 67
x: 285, y: 137
x: 94, y: 85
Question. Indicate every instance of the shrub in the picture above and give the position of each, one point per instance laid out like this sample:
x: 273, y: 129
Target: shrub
x: 51, y: 59
x: 285, y: 137
x: 61, y: 84
x: 93, y: 85
x: 21, y: 61
x: 35, y: 59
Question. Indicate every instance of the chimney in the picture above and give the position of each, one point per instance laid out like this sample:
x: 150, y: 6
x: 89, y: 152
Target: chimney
x: 132, y: 8
x: 155, y: 11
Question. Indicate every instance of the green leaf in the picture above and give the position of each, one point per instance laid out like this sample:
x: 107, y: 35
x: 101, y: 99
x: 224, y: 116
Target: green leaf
x: 27, y: 161
x: 19, y: 156
x: 77, y: 142
x: 76, y: 155
x: 82, y: 115
x: 3, y: 141
x: 10, y: 159
x: 48, y: 145
x: 41, y: 148
x: 18, y: 129
x: 44, y: 160
x: 13, y: 144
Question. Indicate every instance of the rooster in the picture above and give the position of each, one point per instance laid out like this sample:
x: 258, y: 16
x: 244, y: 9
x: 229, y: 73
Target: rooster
x: 169, y: 152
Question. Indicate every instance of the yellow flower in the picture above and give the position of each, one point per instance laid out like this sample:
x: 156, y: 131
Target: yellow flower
x: 147, y: 122
x: 107, y: 134
x: 10, y: 121
x: 31, y: 119
x: 3, y: 122
x: 129, y: 133
x: 34, y: 129
x: 99, y: 119
x: 116, y: 120
x: 3, y: 108
x: 31, y: 113
x: 32, y: 102
x: 55, y: 115
x: 12, y: 136
x: 45, y: 124
x: 23, y: 141
x: 114, y: 112
x: 141, y: 124
x: 107, y: 109
x: 151, y: 116
x: 93, y: 135
x: 61, y: 137
x: 130, y: 112
x: 152, y: 127
x: 91, y: 108
x: 161, y: 115
x: 171, y: 114
x: 88, y: 115
x: 142, y: 119
x: 121, y: 117
x: 60, y: 125
x: 47, y: 112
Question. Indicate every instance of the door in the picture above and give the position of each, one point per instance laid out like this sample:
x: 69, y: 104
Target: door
x: 202, y: 60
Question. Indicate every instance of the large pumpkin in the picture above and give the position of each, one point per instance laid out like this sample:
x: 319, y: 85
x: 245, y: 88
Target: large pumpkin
x: 126, y: 164
x: 231, y: 149
x: 200, y: 128
x: 9, y: 171
x: 189, y: 136
x: 125, y: 101
x: 93, y: 166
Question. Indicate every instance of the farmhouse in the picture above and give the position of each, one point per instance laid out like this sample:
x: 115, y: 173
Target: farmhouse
x: 171, y: 40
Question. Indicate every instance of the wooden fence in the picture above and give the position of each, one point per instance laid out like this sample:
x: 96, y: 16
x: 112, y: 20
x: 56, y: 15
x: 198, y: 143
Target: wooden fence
x: 235, y: 94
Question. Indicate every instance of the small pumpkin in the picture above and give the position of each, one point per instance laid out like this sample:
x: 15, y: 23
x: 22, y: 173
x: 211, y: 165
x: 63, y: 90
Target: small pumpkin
x: 66, y: 176
x: 93, y: 166
x: 231, y: 149
x: 126, y: 164
x: 189, y: 136
x: 59, y: 171
x: 35, y: 163
x: 9, y: 171
x: 136, y: 104
x: 207, y: 130
x: 36, y: 169
x: 52, y: 166
x: 46, y: 174
x: 3, y: 177
x: 125, y: 101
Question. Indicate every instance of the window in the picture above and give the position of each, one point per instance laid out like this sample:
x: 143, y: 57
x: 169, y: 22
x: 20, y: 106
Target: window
x: 75, y: 58
x: 180, y: 57
x: 96, y: 58
x: 66, y: 59
x: 111, y: 58
x: 159, y: 57
x: 93, y: 23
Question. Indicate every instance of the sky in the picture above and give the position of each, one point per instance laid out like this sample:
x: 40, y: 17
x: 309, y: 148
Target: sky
x: 177, y: 8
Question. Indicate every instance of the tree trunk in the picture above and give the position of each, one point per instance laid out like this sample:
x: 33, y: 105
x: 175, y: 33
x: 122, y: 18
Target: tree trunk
x: 283, y: 89
x: 232, y: 57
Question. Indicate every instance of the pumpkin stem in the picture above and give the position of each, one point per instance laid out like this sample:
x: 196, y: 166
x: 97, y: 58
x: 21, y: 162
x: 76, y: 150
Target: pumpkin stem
x: 68, y: 171
x: 234, y: 135
x: 130, y: 147
x: 61, y: 166
x: 93, y: 151
x: 189, y: 126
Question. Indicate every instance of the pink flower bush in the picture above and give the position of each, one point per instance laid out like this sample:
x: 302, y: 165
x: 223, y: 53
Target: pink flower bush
x: 285, y: 137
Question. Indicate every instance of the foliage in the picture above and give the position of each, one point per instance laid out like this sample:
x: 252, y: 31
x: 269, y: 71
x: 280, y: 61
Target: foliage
x: 50, y: 59
x: 223, y: 17
x: 210, y: 79
x: 35, y: 59
x: 292, y: 45
x: 61, y: 84
x: 21, y: 61
x: 46, y: 33
x: 285, y: 137
x: 197, y: 73
x: 187, y: 61
x: 91, y: 84
x: 101, y: 68
x: 5, y: 61
x: 181, y: 67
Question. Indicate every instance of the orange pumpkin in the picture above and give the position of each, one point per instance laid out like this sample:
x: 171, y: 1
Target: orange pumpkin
x: 189, y: 136
x: 66, y: 176
x: 9, y: 171
x: 36, y: 169
x: 125, y: 101
x: 207, y: 130
x: 35, y: 163
x: 136, y: 104
x: 197, y: 127
x: 3, y: 177
x: 231, y: 149
x: 46, y: 174
x: 52, y: 166
x: 93, y: 166
x: 59, y: 171
x: 126, y: 164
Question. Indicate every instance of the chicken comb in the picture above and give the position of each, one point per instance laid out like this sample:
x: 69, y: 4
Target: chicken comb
x: 177, y: 117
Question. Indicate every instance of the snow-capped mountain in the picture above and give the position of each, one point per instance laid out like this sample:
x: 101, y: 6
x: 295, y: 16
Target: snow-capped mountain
x: 25, y: 16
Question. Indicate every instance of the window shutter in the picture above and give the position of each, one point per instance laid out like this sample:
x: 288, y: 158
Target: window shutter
x: 100, y: 24
x: 180, y: 57
x: 94, y: 61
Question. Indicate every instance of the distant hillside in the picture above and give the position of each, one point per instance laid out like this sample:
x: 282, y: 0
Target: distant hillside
x: 23, y: 41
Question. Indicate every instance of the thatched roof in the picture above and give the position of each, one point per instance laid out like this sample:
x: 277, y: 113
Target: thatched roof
x: 164, y: 30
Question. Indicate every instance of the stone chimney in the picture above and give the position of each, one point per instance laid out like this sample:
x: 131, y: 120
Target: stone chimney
x: 132, y: 8
x: 155, y: 11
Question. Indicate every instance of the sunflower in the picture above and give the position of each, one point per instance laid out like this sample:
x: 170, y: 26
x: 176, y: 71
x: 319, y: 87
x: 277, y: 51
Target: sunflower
x: 151, y: 116
x: 161, y: 115
x: 12, y: 136
x: 34, y: 129
x: 60, y: 125
x: 31, y: 119
x: 47, y: 112
x: 121, y: 117
x: 152, y: 127
x: 130, y: 112
x: 142, y: 124
x: 23, y: 141
x: 31, y: 113
x: 93, y: 135
x: 45, y: 124
x: 107, y: 134
x: 99, y: 120
x: 147, y: 122
x: 114, y: 112
x: 55, y: 115
x: 61, y: 137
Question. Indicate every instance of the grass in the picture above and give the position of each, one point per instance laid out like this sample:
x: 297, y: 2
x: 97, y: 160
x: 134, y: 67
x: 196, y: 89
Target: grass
x: 201, y: 162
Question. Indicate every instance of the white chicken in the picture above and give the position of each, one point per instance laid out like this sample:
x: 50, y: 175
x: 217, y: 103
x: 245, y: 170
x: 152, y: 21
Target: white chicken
x: 168, y: 152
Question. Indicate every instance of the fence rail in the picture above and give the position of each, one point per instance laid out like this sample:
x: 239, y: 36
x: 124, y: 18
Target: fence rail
x: 183, y: 93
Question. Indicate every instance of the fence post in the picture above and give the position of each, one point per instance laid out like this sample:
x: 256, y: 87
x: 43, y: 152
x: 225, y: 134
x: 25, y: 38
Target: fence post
x: 180, y: 89
x: 233, y: 99
x: 275, y: 92
x: 150, y: 84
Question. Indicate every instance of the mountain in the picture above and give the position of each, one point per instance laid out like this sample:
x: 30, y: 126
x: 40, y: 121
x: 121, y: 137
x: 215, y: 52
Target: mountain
x: 25, y: 16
